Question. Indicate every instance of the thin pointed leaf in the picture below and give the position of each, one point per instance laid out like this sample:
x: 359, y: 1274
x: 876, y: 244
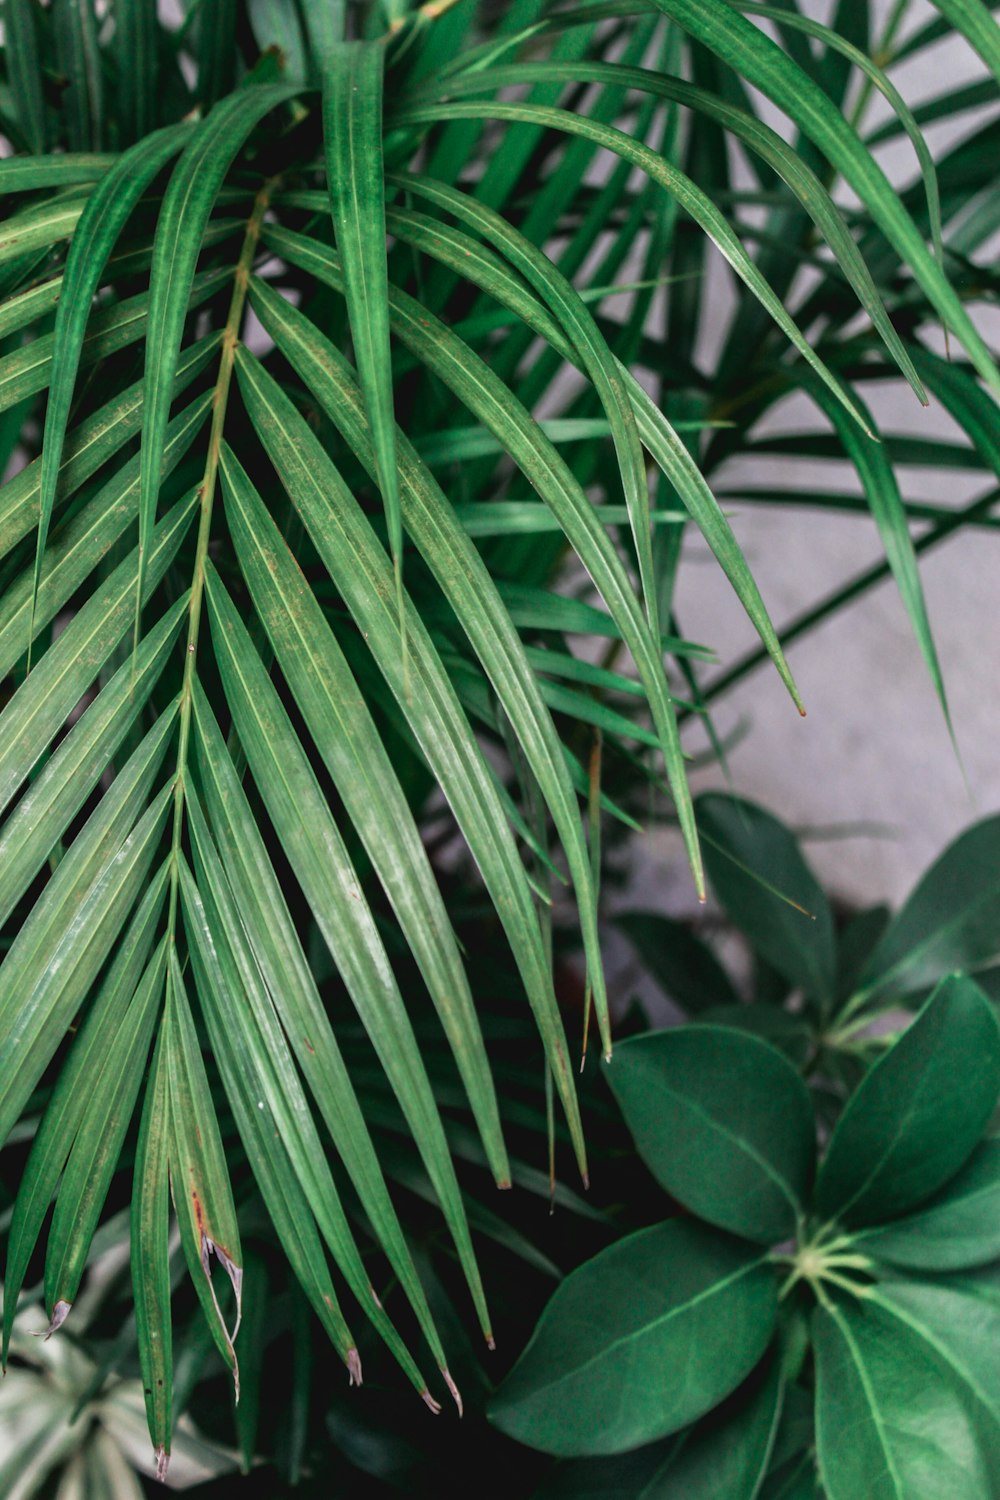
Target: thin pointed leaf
x: 323, y: 867
x: 242, y: 1009
x: 184, y: 213
x: 150, y: 1257
x: 352, y: 139
x: 199, y: 1179
x: 347, y: 739
x: 24, y: 72
x: 68, y: 1103
x: 361, y: 572
x: 42, y: 703
x: 74, y: 26
x: 112, y: 1087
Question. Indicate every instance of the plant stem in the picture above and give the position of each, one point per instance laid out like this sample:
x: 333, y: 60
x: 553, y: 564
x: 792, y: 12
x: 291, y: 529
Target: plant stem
x: 220, y: 402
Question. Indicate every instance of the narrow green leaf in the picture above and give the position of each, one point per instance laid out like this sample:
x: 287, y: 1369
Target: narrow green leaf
x: 41, y: 705
x: 59, y: 951
x: 150, y: 1258
x: 243, y: 1010
x: 84, y: 542
x: 465, y: 255
x: 881, y: 489
x: 908, y: 1130
x: 641, y: 1340
x: 69, y: 1101
x: 40, y: 227
x: 283, y: 1196
x: 267, y: 924
x: 199, y: 1180
x: 74, y: 26
x: 112, y: 1086
x: 88, y: 446
x: 762, y: 63
x: 724, y: 1123
x: 348, y: 741
x: 53, y: 800
x: 473, y: 382
x: 358, y: 566
x: 25, y: 174
x: 352, y: 140
x: 102, y: 221
x: 136, y: 40
x: 184, y: 213
x: 756, y: 136
x: 24, y: 71
x: 323, y: 867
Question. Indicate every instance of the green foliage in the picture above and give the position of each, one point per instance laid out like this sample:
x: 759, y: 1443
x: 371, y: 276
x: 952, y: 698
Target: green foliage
x: 882, y: 1264
x: 291, y: 603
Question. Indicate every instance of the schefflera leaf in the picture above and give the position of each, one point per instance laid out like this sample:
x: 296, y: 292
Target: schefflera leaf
x: 958, y: 1228
x: 888, y: 1426
x: 724, y: 1123
x: 765, y: 886
x: 640, y: 1341
x: 918, y: 1114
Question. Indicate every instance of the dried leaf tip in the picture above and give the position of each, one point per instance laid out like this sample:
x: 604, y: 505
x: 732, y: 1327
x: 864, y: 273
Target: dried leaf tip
x: 428, y: 1400
x: 162, y: 1463
x: 353, y: 1367
x: 456, y: 1394
x: 59, y: 1315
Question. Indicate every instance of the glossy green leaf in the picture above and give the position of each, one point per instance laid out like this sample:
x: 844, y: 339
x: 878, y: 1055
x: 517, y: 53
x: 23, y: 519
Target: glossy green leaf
x: 683, y: 966
x: 242, y: 1010
x: 887, y: 1425
x: 641, y: 1340
x: 187, y: 204
x: 948, y: 922
x: 908, y: 1129
x: 103, y: 219
x: 44, y: 700
x: 762, y: 63
x: 347, y: 739
x: 40, y: 227
x: 767, y: 889
x: 358, y: 567
x: 70, y: 1097
x: 53, y: 799
x: 150, y: 1225
x: 956, y: 1229
x: 199, y: 1177
x: 58, y: 952
x: 959, y: 1320
x: 323, y: 867
x: 74, y: 26
x: 21, y: 55
x: 724, y: 1123
x: 352, y: 139
x: 112, y: 1084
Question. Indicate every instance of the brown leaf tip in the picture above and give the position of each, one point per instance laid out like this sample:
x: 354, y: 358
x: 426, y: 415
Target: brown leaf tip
x: 162, y: 1463
x: 430, y: 1403
x: 456, y: 1394
x: 353, y: 1367
x: 59, y: 1315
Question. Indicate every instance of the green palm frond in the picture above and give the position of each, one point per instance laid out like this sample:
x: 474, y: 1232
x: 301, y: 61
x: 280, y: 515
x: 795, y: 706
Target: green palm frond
x: 297, y: 579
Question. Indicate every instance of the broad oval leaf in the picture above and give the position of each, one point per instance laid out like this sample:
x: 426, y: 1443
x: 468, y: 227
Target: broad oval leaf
x: 760, y: 877
x: 641, y: 1340
x: 958, y: 1228
x: 887, y: 1426
x: 950, y: 921
x: 724, y: 1122
x: 919, y: 1113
